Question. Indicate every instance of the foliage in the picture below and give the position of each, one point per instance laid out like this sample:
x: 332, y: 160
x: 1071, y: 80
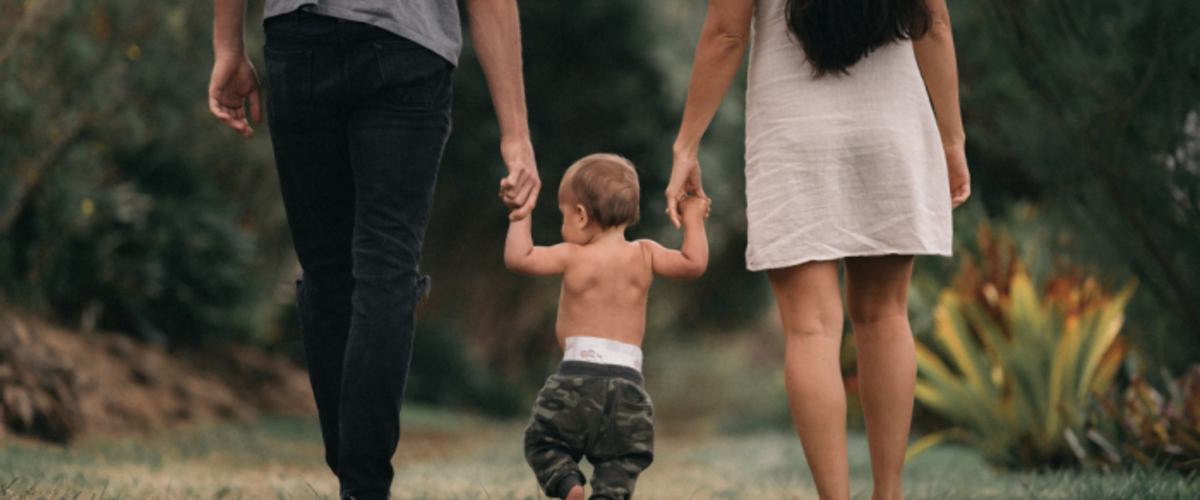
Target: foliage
x: 124, y: 205
x: 1142, y: 426
x: 1012, y: 367
x: 1089, y: 107
x: 443, y: 374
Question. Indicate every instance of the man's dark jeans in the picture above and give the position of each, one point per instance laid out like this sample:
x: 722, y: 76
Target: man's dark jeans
x: 359, y: 119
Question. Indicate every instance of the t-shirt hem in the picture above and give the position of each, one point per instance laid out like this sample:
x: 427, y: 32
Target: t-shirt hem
x: 450, y: 56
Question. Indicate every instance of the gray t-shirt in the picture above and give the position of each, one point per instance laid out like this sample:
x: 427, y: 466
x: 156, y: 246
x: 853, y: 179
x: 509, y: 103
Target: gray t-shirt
x: 432, y: 23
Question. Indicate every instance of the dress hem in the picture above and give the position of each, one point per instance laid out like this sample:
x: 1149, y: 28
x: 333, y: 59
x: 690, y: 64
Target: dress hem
x: 795, y: 262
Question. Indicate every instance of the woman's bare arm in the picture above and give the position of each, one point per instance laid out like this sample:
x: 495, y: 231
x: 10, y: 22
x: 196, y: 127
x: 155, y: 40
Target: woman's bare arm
x: 935, y: 56
x: 722, y: 45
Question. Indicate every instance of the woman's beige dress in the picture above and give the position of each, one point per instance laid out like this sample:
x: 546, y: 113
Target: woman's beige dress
x: 842, y: 165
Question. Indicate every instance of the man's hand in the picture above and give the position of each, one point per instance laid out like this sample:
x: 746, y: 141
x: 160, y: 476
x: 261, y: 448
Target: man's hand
x: 496, y: 33
x: 233, y: 81
x: 685, y: 179
x: 520, y: 189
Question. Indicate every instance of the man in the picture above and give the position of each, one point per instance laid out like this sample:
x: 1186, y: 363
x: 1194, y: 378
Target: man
x: 360, y: 112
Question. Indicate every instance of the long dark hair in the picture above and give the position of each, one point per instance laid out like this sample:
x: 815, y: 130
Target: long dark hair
x: 836, y: 34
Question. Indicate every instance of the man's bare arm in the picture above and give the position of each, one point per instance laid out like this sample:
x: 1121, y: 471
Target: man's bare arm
x: 233, y: 77
x: 496, y: 30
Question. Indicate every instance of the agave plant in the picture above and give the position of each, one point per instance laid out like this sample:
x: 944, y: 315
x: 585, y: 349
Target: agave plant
x: 1141, y: 425
x: 1013, y: 368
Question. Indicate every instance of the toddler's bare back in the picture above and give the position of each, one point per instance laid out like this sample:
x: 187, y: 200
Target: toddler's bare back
x: 604, y: 292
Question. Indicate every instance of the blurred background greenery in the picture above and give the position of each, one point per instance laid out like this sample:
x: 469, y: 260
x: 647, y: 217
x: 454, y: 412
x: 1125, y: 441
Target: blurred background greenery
x: 125, y: 206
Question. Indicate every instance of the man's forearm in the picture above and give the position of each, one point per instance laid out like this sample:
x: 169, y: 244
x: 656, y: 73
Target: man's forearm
x: 228, y: 24
x: 496, y: 30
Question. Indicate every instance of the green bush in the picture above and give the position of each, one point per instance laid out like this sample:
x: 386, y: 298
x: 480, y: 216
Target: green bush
x: 156, y: 251
x: 126, y: 206
x: 1012, y: 367
x: 446, y: 373
x: 1091, y: 109
x: 1140, y: 425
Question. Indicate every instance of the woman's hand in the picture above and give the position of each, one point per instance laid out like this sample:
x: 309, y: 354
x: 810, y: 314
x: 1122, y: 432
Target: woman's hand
x: 960, y: 177
x: 723, y: 41
x: 685, y: 179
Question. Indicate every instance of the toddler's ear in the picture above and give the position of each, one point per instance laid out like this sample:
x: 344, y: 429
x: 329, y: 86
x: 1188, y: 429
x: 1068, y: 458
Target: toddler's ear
x: 581, y: 215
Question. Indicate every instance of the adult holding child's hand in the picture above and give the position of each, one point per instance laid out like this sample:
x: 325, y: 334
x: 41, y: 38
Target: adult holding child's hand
x: 845, y: 160
x: 359, y: 102
x: 519, y: 190
x: 685, y: 179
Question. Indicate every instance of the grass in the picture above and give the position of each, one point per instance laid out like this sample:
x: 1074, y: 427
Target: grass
x: 448, y: 456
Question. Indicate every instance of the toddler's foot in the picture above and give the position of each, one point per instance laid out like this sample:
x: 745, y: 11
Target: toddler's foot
x: 576, y: 493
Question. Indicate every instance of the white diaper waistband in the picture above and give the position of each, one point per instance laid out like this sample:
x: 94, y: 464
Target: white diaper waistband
x: 603, y: 351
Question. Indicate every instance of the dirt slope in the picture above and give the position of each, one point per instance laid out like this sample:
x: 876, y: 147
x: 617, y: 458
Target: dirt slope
x: 58, y: 385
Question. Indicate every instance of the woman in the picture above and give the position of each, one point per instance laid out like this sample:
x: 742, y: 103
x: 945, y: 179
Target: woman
x: 844, y: 160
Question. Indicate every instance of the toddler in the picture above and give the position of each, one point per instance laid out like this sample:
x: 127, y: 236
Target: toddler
x: 595, y: 405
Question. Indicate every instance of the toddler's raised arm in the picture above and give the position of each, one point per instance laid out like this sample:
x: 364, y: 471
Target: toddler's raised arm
x: 692, y: 260
x: 521, y: 257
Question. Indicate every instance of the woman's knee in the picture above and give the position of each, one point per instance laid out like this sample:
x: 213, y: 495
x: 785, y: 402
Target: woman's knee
x: 809, y: 300
x: 813, y: 329
x: 870, y: 315
x: 870, y: 309
x: 877, y: 288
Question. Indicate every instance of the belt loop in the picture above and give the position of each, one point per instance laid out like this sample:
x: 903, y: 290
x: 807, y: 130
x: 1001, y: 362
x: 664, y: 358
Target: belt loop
x: 304, y: 14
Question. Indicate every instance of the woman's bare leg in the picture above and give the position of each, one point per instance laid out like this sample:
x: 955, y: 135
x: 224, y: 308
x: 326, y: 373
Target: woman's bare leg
x: 877, y: 300
x: 810, y: 304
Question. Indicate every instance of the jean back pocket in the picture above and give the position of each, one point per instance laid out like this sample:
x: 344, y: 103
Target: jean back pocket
x: 412, y: 75
x: 289, y: 81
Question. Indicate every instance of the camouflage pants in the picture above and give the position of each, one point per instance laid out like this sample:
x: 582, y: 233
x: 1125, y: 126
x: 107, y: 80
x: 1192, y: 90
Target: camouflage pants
x: 596, y: 411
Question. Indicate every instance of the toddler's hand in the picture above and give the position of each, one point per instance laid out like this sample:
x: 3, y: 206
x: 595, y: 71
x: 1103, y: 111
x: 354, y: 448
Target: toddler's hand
x: 508, y: 194
x: 690, y: 206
